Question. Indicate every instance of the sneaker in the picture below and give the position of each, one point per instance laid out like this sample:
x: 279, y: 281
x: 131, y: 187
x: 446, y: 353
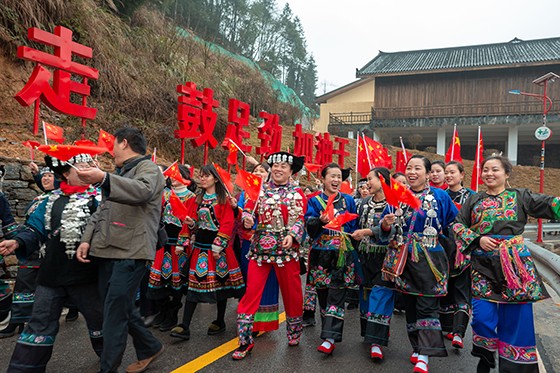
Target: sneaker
x: 457, y: 341
x: 448, y: 336
x: 181, y: 332
x: 414, y: 358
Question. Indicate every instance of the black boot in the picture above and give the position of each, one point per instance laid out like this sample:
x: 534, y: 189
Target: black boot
x: 483, y: 367
x: 171, y: 319
x: 72, y: 315
x: 10, y: 330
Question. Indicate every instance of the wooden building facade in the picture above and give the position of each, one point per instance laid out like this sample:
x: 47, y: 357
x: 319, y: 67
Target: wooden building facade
x: 426, y: 92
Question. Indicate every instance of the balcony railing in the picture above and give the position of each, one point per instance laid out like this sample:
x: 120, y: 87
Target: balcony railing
x: 363, y: 117
x: 464, y: 110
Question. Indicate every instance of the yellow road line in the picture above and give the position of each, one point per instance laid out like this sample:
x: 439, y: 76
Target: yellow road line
x: 215, y: 354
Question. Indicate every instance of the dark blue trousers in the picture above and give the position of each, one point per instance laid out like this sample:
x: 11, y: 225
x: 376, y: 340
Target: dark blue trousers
x: 119, y: 280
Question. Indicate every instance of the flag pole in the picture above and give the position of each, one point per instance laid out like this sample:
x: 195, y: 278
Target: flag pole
x: 477, y: 161
x: 367, y: 151
x: 453, y: 141
x: 403, y: 150
x: 238, y: 148
x: 45, y: 133
x: 357, y: 143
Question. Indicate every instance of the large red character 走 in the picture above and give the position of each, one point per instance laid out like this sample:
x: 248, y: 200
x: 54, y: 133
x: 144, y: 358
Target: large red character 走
x: 270, y: 134
x: 238, y: 117
x: 324, y: 148
x: 57, y: 97
x: 303, y: 144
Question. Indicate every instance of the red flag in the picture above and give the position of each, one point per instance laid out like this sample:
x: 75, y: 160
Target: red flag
x: 363, y: 161
x: 379, y: 156
x: 250, y: 183
x: 32, y: 145
x: 65, y: 152
x: 154, y: 156
x: 475, y: 178
x: 106, y: 140
x: 85, y: 142
x: 174, y: 173
x: 454, y: 151
x: 337, y: 223
x: 329, y: 209
x: 390, y: 196
x: 179, y: 209
x: 225, y: 177
x: 232, y: 157
x: 53, y: 132
x: 402, y: 159
x: 399, y: 193
x: 345, y: 187
x: 312, y: 167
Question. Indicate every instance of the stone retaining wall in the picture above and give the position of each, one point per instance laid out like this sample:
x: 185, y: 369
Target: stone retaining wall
x: 18, y: 185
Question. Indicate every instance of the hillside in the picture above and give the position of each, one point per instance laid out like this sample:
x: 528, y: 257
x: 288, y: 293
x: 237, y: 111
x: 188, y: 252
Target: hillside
x: 141, y: 60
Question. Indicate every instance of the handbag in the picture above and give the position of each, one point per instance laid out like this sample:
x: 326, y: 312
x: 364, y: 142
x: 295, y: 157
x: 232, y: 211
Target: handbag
x: 394, y: 261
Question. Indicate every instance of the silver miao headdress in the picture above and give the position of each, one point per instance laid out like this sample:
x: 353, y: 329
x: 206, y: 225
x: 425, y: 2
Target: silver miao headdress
x: 278, y: 158
x: 79, y: 158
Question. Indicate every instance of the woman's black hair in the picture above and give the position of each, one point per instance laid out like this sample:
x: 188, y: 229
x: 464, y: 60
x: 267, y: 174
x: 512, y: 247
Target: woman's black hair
x: 438, y: 162
x: 383, y: 172
x: 426, y: 161
x: 397, y: 174
x: 264, y: 165
x: 506, y: 164
x: 221, y: 191
x: 328, y: 167
x: 459, y: 166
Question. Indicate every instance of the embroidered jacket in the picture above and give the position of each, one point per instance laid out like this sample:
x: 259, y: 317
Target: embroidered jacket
x: 279, y: 212
x: 506, y: 274
x: 58, y: 222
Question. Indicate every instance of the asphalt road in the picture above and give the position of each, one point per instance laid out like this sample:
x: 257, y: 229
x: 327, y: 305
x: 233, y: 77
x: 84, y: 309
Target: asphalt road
x: 73, y: 353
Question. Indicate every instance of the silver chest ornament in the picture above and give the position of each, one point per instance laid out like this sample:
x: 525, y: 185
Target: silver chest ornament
x: 430, y: 234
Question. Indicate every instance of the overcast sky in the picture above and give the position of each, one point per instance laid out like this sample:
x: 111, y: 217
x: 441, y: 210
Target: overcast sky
x: 345, y: 35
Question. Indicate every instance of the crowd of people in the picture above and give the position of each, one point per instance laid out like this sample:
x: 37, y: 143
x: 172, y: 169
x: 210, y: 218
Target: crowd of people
x: 114, y: 248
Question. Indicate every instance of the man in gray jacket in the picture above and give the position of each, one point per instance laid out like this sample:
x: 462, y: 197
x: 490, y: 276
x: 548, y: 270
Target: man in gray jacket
x: 122, y: 237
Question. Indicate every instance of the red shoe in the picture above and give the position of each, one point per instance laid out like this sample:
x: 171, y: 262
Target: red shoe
x: 242, y: 352
x: 376, y: 353
x: 421, y: 367
x: 414, y: 358
x: 449, y: 336
x: 326, y: 350
x: 457, y: 341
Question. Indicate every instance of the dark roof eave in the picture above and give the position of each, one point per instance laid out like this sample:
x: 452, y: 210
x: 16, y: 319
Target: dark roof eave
x: 438, y: 71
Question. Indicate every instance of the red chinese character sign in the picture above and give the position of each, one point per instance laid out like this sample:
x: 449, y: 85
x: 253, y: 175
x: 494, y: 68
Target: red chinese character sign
x: 324, y: 148
x: 238, y: 117
x: 57, y: 96
x: 303, y: 144
x: 340, y: 151
x: 196, y: 118
x: 270, y: 134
